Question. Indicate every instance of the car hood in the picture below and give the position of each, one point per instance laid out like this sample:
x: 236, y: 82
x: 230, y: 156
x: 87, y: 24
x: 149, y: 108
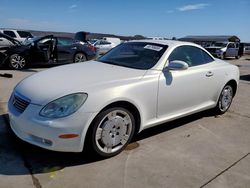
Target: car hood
x: 53, y: 83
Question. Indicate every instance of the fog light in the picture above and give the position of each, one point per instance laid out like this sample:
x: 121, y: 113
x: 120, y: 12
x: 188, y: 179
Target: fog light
x: 48, y: 142
x: 41, y: 140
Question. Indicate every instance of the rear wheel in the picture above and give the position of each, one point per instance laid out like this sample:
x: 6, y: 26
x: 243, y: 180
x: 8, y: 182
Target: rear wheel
x: 80, y: 57
x: 111, y: 131
x: 17, y: 62
x: 225, y: 99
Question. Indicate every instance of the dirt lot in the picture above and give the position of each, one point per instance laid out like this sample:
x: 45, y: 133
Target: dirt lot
x: 197, y: 151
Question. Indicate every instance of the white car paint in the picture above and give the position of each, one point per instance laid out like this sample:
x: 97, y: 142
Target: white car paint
x: 159, y: 94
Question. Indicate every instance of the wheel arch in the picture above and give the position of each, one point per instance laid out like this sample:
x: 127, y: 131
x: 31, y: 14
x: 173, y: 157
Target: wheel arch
x: 121, y: 103
x: 130, y: 107
x: 234, y: 85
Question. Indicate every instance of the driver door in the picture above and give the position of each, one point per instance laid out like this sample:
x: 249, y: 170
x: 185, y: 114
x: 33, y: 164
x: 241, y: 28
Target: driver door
x: 66, y: 48
x: 184, y: 91
x: 232, y: 51
x: 43, y: 50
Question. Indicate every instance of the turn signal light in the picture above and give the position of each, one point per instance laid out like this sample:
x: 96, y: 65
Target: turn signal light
x: 66, y: 136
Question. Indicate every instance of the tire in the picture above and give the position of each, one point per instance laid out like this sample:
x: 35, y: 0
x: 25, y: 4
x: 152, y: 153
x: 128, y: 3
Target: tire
x: 111, y: 132
x: 225, y: 100
x: 80, y: 57
x: 237, y: 57
x: 17, y: 62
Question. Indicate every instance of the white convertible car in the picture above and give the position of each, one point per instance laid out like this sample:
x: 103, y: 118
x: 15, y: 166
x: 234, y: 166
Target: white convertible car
x: 102, y: 104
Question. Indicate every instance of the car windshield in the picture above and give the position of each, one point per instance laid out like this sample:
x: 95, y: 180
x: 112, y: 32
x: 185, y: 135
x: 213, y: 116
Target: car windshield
x: 92, y: 41
x: 24, y: 34
x: 138, y: 55
x: 220, y: 44
x: 31, y: 40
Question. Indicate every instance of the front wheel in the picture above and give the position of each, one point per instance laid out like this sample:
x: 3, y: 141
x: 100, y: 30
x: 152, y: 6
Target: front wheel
x: 111, y: 131
x: 79, y: 57
x: 17, y: 62
x: 225, y: 100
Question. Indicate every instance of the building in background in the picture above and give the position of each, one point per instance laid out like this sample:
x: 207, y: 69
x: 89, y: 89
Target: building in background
x: 209, y: 40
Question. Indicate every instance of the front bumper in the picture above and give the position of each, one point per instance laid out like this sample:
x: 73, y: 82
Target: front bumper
x: 216, y: 54
x: 32, y: 128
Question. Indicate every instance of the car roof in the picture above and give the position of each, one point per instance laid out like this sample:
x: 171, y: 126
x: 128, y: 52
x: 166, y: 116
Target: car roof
x: 169, y: 43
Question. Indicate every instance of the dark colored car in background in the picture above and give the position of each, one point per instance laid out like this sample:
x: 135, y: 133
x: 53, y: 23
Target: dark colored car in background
x: 45, y: 50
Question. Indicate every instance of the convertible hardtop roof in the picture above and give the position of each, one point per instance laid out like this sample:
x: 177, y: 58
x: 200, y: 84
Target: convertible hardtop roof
x: 166, y: 42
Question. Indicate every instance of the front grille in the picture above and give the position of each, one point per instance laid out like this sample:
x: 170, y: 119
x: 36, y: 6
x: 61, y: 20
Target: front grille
x: 19, y: 103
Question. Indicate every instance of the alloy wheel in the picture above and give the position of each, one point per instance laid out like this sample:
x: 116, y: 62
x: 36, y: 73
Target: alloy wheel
x: 114, y: 131
x: 17, y: 62
x: 226, y: 98
x: 80, y: 57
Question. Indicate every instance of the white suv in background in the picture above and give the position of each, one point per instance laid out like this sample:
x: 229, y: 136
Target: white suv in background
x: 224, y: 49
x: 19, y: 35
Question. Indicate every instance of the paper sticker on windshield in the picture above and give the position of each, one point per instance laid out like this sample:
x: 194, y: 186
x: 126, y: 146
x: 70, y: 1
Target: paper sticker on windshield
x: 153, y: 47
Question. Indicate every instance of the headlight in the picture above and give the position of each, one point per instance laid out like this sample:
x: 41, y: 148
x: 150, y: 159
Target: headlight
x: 64, y: 106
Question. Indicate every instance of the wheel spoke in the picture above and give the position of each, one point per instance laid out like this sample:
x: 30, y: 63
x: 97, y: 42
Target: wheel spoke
x: 111, y: 115
x: 99, y: 133
x: 124, y: 139
x: 127, y: 119
x: 107, y: 149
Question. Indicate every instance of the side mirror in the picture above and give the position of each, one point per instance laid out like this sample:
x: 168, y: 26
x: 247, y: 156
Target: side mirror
x: 177, y: 65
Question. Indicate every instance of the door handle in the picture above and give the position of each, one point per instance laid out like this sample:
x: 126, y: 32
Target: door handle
x: 209, y: 74
x: 73, y: 48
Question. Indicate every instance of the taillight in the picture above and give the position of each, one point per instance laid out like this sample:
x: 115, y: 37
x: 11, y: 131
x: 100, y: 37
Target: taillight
x: 92, y: 48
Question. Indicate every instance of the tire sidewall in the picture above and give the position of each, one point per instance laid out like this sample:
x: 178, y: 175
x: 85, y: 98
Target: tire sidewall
x: 95, y: 125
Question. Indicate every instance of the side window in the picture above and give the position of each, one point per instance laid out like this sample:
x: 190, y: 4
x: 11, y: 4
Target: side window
x: 231, y: 45
x: 24, y: 34
x: 193, y: 56
x: 207, y: 58
x: 10, y: 33
x: 64, y: 41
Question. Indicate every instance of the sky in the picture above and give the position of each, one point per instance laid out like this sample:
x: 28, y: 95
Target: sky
x: 151, y: 18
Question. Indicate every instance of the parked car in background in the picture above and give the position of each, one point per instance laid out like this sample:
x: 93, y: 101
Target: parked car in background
x: 113, y: 40
x: 246, y: 48
x: 102, y: 104
x: 157, y: 38
x: 224, y: 49
x: 102, y: 46
x: 45, y: 50
x: 16, y: 34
